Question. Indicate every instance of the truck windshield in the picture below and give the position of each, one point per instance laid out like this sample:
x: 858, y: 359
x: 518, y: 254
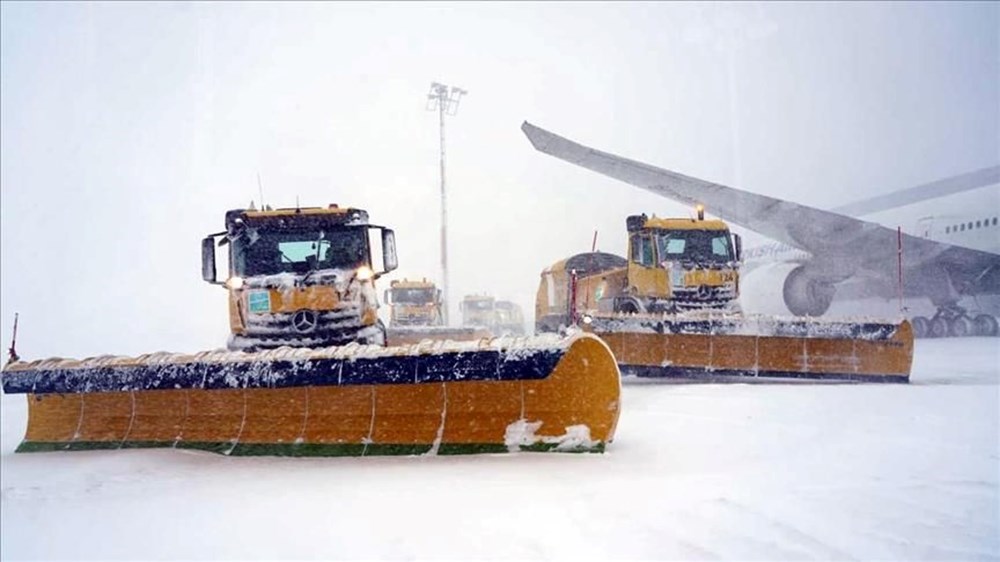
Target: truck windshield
x: 479, y: 305
x: 264, y: 252
x: 699, y: 246
x: 413, y: 296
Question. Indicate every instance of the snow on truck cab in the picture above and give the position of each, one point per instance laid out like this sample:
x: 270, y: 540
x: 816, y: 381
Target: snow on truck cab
x: 301, y: 277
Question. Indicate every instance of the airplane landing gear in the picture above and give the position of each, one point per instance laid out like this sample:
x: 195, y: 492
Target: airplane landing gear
x: 954, y: 321
x: 986, y: 325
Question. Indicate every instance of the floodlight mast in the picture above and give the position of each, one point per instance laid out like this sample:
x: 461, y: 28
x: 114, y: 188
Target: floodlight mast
x: 445, y: 100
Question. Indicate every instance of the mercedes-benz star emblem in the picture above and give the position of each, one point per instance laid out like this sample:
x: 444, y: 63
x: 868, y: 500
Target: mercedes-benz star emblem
x: 304, y: 321
x: 704, y: 292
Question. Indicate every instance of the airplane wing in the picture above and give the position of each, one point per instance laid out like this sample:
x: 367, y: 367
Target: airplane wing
x: 839, y: 244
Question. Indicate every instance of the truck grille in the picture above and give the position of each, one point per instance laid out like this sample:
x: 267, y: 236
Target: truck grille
x: 704, y: 296
x: 328, y: 325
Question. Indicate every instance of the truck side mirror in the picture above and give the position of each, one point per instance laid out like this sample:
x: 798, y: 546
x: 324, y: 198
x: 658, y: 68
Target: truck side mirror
x: 439, y: 295
x: 208, y: 260
x: 389, y: 260
x: 739, y: 246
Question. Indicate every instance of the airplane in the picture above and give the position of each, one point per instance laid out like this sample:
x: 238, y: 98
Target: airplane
x: 944, y: 253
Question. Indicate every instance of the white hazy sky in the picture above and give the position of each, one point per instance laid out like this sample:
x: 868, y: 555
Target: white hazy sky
x: 128, y: 129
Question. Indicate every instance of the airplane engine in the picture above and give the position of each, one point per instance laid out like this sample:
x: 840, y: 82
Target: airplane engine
x: 806, y: 295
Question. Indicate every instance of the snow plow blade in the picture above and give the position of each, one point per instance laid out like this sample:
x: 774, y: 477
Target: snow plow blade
x: 765, y: 347
x: 407, y: 335
x: 491, y: 396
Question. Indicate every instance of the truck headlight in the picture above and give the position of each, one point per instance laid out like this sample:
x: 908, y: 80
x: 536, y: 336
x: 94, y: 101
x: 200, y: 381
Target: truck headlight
x: 235, y: 283
x: 364, y: 273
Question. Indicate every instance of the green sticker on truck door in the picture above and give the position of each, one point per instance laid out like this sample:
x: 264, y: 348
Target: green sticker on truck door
x: 259, y: 301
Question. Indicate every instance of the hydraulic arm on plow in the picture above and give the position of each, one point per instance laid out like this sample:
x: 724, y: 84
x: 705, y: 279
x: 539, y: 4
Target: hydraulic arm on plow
x: 301, y: 280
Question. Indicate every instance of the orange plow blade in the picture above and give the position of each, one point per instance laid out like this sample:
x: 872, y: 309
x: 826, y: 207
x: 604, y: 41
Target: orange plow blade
x: 764, y: 347
x: 503, y: 395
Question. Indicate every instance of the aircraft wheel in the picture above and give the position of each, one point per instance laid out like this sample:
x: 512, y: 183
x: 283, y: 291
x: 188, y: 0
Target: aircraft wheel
x: 961, y: 327
x: 921, y: 326
x: 985, y: 325
x: 938, y: 327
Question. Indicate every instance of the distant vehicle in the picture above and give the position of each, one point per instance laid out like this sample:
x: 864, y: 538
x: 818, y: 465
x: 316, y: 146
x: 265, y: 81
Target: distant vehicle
x: 478, y: 311
x: 509, y: 319
x: 951, y: 243
x: 414, y: 303
x: 416, y: 315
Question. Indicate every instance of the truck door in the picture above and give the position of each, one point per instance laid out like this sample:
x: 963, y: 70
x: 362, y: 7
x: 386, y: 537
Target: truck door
x: 645, y: 279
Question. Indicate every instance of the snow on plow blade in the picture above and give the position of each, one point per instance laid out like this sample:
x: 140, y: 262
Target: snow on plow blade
x: 491, y: 396
x: 407, y: 335
x: 800, y: 348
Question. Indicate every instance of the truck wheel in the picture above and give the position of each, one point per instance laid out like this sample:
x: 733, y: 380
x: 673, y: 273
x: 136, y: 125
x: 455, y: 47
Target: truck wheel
x: 627, y: 307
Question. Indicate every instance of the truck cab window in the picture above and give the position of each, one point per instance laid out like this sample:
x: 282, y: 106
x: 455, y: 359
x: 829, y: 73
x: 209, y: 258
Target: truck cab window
x: 700, y: 246
x: 642, y: 250
x: 412, y: 296
x: 671, y: 248
x: 720, y: 246
x: 300, y: 251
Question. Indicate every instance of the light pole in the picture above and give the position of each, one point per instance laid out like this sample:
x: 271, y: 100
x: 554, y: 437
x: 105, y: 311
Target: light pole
x: 445, y: 100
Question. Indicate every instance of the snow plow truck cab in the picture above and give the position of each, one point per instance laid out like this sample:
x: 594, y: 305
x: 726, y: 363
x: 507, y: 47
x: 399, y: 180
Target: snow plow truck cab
x: 509, y: 319
x: 674, y: 264
x: 301, y: 277
x: 478, y: 311
x: 413, y: 303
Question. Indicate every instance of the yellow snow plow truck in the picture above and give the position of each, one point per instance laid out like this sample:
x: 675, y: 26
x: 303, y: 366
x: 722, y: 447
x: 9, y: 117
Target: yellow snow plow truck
x: 674, y: 264
x: 414, y: 303
x: 415, y: 315
x: 300, y: 280
x: 478, y: 311
x: 509, y: 319
x: 670, y: 310
x: 300, y: 277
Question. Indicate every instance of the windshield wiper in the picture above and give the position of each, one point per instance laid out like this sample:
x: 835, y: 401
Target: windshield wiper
x: 308, y: 275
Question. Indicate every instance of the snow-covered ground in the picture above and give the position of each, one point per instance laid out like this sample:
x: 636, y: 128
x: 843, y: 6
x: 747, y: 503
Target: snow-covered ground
x: 738, y: 471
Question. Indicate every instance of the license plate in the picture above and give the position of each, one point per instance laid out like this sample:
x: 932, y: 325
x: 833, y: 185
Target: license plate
x: 259, y: 301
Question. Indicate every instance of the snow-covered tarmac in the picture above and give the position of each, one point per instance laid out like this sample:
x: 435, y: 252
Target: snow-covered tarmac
x: 737, y: 471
